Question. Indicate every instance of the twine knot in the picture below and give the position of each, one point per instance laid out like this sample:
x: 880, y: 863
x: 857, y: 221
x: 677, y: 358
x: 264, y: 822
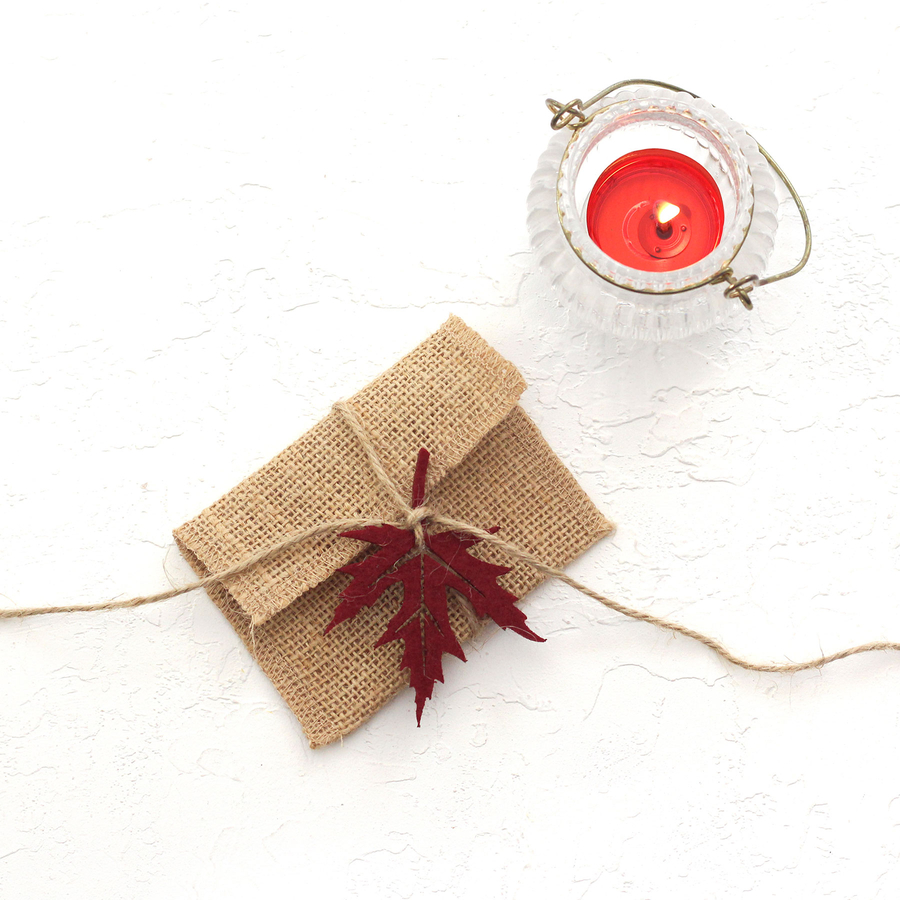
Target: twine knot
x: 412, y: 519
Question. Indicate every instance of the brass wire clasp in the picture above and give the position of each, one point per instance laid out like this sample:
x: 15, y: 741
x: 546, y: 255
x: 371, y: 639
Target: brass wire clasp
x: 565, y: 115
x: 575, y: 114
x: 738, y: 288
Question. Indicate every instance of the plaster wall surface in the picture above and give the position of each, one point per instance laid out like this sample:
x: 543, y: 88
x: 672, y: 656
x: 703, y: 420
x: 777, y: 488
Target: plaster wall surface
x: 219, y: 218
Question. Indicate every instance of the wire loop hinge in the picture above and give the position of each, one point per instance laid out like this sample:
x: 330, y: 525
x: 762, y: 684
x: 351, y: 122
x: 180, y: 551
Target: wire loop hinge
x: 566, y: 115
x: 738, y: 288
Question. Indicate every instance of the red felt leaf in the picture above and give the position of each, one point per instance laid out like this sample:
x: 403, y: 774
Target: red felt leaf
x: 426, y: 575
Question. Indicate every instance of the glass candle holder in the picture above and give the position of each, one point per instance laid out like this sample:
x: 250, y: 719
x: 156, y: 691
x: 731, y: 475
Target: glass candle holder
x: 654, y: 213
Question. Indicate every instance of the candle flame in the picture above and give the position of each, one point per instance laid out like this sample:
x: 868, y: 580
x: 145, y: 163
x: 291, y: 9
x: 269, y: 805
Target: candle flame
x: 665, y: 212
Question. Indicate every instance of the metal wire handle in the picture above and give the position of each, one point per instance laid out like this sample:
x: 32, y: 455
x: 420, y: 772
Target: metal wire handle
x: 575, y: 114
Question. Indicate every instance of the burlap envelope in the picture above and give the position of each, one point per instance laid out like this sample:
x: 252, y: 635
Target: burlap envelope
x: 490, y: 466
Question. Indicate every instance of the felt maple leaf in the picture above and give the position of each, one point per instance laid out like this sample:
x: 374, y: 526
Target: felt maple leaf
x: 427, y: 574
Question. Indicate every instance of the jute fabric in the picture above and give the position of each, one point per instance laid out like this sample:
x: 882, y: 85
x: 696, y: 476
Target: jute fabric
x: 455, y: 396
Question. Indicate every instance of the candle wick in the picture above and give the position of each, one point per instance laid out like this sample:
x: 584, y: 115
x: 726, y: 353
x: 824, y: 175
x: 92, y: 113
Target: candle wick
x: 665, y: 213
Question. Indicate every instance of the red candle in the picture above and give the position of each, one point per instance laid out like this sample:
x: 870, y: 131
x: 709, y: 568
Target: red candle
x: 655, y: 210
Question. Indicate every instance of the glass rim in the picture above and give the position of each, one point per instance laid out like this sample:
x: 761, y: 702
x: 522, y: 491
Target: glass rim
x: 704, y: 120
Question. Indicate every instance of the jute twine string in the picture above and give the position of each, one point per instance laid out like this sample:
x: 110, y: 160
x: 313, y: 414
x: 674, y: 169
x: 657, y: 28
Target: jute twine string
x: 415, y: 518
x: 241, y: 566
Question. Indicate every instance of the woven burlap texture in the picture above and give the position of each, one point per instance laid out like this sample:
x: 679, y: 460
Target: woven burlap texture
x: 490, y: 466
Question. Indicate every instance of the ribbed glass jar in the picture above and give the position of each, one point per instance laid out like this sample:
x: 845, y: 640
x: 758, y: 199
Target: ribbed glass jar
x: 630, y: 302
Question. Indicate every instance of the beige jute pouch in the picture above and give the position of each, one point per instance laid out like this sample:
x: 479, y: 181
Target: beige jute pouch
x: 490, y: 466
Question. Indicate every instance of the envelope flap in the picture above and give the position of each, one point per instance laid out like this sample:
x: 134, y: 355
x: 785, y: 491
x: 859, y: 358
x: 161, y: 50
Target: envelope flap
x: 445, y: 395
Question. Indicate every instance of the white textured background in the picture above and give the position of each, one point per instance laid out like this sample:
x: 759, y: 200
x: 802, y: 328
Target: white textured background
x: 217, y: 219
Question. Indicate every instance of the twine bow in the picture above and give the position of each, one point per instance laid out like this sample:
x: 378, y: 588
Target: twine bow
x: 413, y: 518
